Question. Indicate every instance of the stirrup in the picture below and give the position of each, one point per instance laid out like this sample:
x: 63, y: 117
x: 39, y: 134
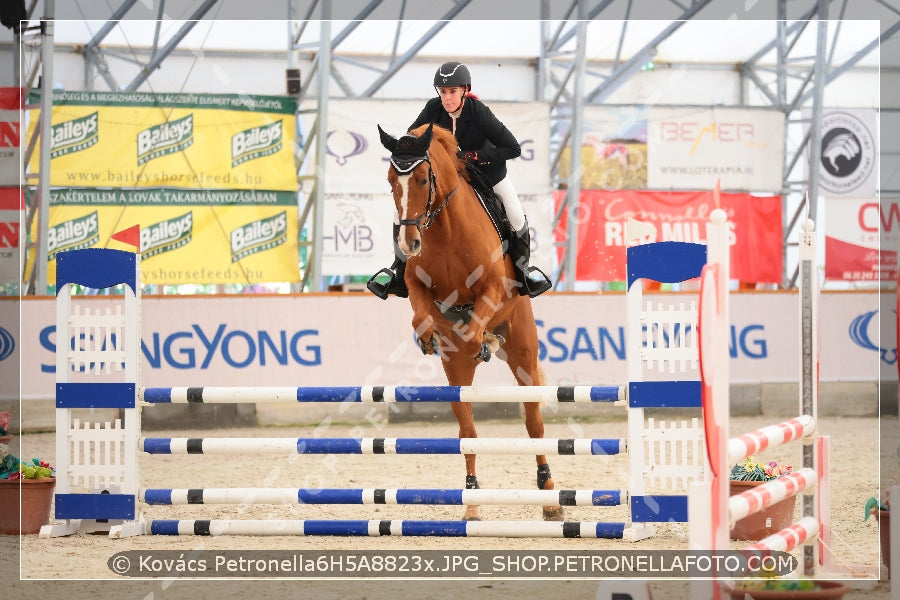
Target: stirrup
x: 381, y: 289
x: 394, y: 286
x: 535, y: 283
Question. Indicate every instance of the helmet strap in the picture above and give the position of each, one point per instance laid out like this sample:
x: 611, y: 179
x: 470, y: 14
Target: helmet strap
x: 459, y: 108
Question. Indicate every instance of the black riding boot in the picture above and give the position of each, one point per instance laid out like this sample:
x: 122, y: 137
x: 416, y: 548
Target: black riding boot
x: 534, y: 281
x: 396, y: 284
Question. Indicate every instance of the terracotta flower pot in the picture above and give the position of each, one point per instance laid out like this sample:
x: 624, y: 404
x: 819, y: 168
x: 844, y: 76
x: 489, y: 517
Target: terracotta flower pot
x: 828, y: 590
x: 36, y: 496
x: 884, y: 531
x: 770, y: 520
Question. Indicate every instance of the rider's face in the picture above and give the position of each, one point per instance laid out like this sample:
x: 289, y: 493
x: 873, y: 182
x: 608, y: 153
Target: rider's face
x: 451, y: 97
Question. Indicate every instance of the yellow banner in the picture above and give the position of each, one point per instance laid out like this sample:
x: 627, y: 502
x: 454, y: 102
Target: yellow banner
x: 209, y: 179
x: 122, y: 140
x: 232, y: 237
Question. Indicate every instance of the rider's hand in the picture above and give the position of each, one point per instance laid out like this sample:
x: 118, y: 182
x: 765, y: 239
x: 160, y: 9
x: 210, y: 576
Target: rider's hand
x: 470, y: 156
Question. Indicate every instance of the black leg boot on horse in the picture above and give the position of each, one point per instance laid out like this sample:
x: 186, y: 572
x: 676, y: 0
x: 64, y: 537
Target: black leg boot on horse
x: 396, y: 284
x: 545, y: 482
x: 534, y: 281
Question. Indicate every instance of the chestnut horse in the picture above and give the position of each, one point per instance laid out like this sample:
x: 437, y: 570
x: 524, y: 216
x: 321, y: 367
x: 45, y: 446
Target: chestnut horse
x: 462, y: 286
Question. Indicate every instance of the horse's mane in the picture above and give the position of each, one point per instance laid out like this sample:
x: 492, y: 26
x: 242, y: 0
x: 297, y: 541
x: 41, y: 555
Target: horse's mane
x: 446, y: 140
x: 441, y: 135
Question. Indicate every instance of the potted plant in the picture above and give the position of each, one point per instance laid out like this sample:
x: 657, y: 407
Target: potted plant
x: 750, y: 473
x: 26, y: 492
x: 882, y: 513
x: 5, y: 436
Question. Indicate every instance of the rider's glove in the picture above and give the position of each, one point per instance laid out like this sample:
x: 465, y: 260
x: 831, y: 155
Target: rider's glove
x: 470, y: 156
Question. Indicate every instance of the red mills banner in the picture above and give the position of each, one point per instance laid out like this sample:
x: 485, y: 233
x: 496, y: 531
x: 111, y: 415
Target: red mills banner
x: 12, y: 210
x: 11, y: 105
x: 755, y: 229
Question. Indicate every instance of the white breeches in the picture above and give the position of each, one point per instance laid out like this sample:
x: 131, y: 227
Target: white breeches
x: 511, y: 203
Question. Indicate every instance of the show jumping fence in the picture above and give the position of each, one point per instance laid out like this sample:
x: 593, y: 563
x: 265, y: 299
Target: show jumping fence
x: 99, y: 487
x: 712, y: 510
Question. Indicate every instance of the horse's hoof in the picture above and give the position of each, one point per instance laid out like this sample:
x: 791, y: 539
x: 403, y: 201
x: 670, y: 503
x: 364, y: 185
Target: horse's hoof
x: 554, y: 513
x: 430, y: 347
x: 475, y: 518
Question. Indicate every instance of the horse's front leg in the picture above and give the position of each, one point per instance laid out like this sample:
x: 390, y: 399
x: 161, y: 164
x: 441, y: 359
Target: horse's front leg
x: 471, y: 336
x: 534, y: 423
x: 423, y: 322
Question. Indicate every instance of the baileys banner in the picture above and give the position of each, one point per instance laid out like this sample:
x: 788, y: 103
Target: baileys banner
x: 210, y: 180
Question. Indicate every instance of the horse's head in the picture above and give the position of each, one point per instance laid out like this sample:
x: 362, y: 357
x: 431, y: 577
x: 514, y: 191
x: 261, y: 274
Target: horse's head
x: 418, y: 194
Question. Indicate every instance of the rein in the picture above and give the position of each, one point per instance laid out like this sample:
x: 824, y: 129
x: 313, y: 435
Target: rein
x: 405, y: 167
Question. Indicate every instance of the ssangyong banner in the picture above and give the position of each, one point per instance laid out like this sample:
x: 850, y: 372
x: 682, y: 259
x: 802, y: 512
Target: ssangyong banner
x: 755, y: 229
x: 357, y: 339
x: 862, y: 237
x: 359, y: 209
x: 691, y: 148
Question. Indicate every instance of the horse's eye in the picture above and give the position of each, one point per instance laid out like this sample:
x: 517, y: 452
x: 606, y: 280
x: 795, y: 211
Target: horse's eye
x: 423, y: 182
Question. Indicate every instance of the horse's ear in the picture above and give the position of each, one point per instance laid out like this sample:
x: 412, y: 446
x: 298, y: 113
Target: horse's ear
x: 424, y: 141
x: 387, y: 140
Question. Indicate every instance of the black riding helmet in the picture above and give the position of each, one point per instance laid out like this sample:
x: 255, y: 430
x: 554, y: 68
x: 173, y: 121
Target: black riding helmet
x: 453, y: 74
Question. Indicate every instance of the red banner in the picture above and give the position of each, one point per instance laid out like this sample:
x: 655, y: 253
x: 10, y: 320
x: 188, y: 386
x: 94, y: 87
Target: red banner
x: 861, y: 239
x: 754, y: 222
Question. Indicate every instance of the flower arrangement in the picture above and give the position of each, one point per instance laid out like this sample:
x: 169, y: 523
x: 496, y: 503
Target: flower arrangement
x: 874, y: 504
x: 756, y: 584
x: 12, y: 468
x: 750, y: 470
x: 767, y: 580
x: 4, y: 422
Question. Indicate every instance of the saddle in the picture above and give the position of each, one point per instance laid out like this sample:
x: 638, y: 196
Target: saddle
x: 491, y: 203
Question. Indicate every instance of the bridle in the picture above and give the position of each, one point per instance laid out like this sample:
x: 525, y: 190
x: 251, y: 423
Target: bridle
x: 404, y: 165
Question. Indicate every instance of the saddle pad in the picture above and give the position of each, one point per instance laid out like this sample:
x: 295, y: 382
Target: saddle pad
x: 493, y: 206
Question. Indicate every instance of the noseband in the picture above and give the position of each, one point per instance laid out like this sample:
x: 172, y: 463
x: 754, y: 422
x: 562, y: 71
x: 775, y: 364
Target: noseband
x: 404, y: 165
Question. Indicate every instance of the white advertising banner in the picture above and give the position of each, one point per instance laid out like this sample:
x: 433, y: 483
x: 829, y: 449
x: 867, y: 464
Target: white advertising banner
x: 357, y: 339
x: 862, y: 237
x: 848, y: 159
x: 692, y: 147
x: 359, y: 210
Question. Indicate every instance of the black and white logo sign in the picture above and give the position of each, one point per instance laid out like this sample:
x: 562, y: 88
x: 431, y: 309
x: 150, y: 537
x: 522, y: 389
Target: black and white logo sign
x: 848, y: 154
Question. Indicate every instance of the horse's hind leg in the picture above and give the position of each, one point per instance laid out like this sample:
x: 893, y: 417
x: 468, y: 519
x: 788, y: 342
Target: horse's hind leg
x: 534, y: 423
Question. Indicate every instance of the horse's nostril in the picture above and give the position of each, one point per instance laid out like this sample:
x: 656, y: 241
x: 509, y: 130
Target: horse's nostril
x: 415, y: 246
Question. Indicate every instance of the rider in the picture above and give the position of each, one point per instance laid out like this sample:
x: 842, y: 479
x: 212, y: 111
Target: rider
x: 486, y: 142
